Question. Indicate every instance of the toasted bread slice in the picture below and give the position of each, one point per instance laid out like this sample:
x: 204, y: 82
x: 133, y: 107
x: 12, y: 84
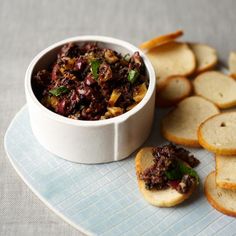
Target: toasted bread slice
x: 181, y: 124
x: 216, y: 87
x: 217, y: 134
x: 226, y: 171
x: 206, y: 57
x: 232, y: 64
x: 223, y: 200
x: 161, y: 198
x: 172, y: 58
x: 160, y: 40
x: 174, y: 89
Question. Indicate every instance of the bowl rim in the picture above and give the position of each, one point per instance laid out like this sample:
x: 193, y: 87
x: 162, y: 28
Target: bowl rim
x: 90, y: 38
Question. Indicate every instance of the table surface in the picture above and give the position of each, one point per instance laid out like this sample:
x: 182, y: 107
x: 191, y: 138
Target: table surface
x: 27, y: 27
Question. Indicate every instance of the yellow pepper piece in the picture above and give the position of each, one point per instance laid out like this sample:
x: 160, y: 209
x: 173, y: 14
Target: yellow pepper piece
x: 114, y: 97
x: 115, y: 111
x: 139, y: 92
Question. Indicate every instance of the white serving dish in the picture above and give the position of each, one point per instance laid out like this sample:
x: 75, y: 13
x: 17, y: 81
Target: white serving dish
x: 90, y: 141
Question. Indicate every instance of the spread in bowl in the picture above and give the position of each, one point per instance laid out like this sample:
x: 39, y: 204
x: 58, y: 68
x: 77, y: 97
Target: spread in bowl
x: 90, y: 82
x: 71, y: 93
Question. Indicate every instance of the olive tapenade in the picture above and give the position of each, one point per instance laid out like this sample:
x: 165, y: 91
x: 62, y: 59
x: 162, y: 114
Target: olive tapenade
x: 170, y: 169
x: 89, y: 82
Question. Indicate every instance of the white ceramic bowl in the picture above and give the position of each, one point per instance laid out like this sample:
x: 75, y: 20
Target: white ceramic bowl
x: 90, y: 141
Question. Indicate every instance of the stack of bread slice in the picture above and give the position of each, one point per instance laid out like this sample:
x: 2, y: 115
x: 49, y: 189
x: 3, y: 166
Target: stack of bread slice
x: 218, y: 134
x: 199, y: 118
x: 213, y: 91
x: 173, y: 61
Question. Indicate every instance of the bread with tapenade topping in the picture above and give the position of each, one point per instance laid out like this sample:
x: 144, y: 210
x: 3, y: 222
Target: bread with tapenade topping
x: 181, y: 124
x: 218, y: 134
x: 226, y: 171
x: 223, y: 200
x: 162, y: 198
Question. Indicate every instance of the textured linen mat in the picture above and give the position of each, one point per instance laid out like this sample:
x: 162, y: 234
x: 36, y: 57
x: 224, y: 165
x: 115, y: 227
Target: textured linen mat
x: 104, y: 199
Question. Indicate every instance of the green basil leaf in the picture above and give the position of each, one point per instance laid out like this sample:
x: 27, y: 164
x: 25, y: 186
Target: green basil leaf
x: 173, y: 174
x: 133, y: 75
x: 187, y: 170
x: 95, y: 64
x: 180, y: 170
x: 58, y: 91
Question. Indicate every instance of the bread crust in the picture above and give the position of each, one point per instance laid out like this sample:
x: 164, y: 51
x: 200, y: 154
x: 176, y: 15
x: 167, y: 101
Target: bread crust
x: 232, y: 64
x: 233, y: 76
x: 209, y: 147
x: 208, y: 67
x: 162, y: 102
x: 178, y: 140
x: 148, y: 194
x: 221, y: 184
x: 220, y: 106
x: 212, y: 201
x: 231, y: 186
x: 160, y: 40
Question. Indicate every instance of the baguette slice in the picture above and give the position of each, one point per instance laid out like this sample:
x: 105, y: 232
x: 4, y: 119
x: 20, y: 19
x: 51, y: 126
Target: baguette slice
x: 160, y: 40
x: 218, y: 134
x: 181, y: 124
x: 174, y: 89
x: 206, y: 57
x: 216, y: 87
x: 223, y: 200
x: 232, y: 64
x: 172, y: 58
x: 226, y: 172
x: 161, y: 198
